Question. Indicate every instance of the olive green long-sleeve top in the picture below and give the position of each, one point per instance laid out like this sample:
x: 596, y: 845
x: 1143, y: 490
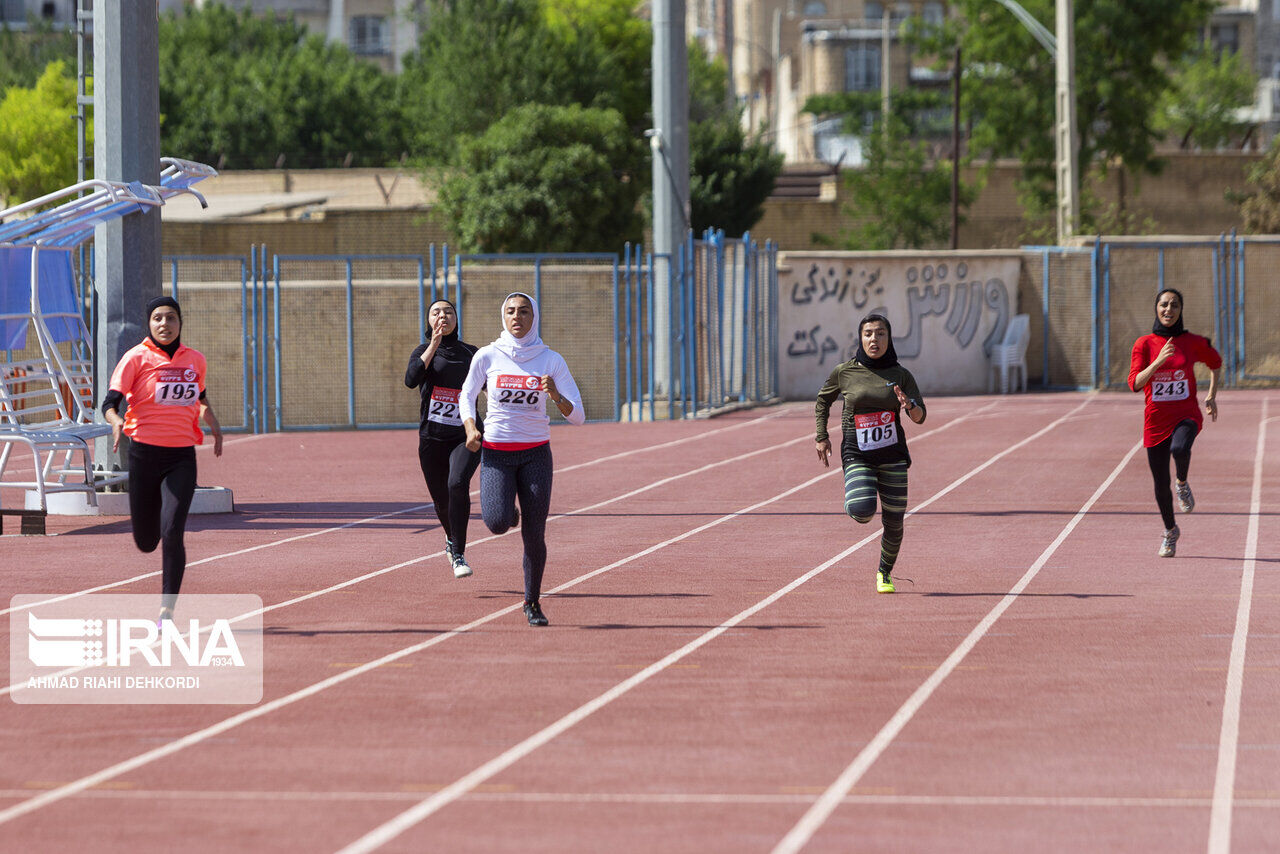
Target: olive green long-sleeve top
x: 868, y: 393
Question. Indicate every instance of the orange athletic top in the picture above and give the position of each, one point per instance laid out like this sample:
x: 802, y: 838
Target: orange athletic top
x: 163, y: 394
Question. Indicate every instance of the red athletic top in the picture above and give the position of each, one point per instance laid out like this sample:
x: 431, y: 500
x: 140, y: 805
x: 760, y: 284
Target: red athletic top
x: 163, y: 394
x: 1171, y: 391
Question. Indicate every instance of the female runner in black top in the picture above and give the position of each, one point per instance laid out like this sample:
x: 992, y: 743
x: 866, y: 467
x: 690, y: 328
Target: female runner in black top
x: 438, y: 368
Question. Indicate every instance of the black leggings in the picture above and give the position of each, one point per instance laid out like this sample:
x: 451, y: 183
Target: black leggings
x: 1178, y: 446
x: 526, y: 474
x: 162, y: 482
x: 447, y: 469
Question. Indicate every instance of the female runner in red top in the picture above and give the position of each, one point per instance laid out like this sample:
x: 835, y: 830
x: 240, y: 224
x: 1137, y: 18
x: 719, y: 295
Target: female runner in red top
x: 162, y: 383
x: 1164, y: 365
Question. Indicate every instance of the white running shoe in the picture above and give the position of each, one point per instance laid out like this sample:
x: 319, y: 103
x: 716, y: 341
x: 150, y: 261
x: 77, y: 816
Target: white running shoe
x: 1186, y: 501
x: 1169, y: 544
x: 460, y: 567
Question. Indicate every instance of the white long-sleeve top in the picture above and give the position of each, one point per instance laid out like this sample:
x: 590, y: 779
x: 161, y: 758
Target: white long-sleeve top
x: 517, y: 416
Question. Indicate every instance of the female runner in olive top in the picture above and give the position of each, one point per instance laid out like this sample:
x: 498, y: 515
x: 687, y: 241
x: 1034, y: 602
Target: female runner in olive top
x: 874, y: 387
x: 1163, y: 366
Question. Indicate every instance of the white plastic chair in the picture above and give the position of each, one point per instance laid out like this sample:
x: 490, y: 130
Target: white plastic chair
x: 1011, y: 353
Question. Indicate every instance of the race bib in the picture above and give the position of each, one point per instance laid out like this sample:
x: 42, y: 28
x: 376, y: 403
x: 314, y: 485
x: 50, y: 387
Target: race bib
x: 518, y: 390
x: 177, y: 387
x: 875, y: 430
x: 444, y: 406
x: 1168, y: 386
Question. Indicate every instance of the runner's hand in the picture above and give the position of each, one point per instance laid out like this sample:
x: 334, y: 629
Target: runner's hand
x: 824, y: 451
x: 1211, y: 407
x: 1166, y: 353
x: 902, y: 397
x: 473, y: 438
x: 549, y: 386
x: 117, y: 428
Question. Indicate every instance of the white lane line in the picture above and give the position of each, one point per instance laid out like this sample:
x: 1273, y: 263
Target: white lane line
x: 659, y: 798
x: 351, y: 582
x: 77, y: 786
x: 414, y: 509
x: 1228, y: 741
x: 389, y: 830
x: 803, y: 831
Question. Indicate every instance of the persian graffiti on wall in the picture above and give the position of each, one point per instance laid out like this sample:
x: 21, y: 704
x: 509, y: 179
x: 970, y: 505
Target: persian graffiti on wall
x: 947, y: 312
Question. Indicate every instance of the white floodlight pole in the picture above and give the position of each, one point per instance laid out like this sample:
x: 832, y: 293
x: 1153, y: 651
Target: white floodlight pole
x: 1067, y: 142
x: 1062, y: 47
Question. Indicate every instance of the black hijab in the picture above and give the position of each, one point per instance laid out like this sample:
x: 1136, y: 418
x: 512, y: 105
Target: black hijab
x: 1177, y: 328
x: 160, y: 302
x: 450, y: 338
x: 890, y: 357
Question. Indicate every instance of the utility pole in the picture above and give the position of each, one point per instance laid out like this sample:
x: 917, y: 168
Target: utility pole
x: 1066, y: 144
x: 126, y: 147
x: 669, y: 142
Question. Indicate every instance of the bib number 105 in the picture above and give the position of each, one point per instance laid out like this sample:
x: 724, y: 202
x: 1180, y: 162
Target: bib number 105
x: 875, y: 430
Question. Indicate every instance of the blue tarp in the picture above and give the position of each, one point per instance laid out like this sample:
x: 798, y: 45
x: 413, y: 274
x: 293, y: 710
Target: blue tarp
x: 57, y: 295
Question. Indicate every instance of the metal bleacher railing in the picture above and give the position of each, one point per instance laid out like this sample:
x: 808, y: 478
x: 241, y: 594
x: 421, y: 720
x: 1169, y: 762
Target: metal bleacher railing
x: 47, y: 390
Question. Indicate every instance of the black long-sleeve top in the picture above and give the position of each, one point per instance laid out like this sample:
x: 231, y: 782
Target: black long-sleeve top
x: 440, y: 384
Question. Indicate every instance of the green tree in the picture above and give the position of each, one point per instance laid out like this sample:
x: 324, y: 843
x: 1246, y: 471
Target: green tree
x: 243, y: 89
x: 1122, y: 49
x: 546, y: 179
x: 1201, y: 105
x: 1260, y: 205
x: 479, y: 59
x: 38, y: 137
x: 899, y: 199
x: 730, y: 176
x: 24, y: 54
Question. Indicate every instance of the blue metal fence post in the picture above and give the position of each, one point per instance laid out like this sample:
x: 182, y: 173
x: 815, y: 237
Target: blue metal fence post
x: 649, y: 337
x: 444, y: 263
x: 433, y: 276
x: 1219, y: 266
x: 276, y: 348
x: 1242, y: 354
x: 422, y: 308
x: 1106, y: 316
x: 626, y: 323
x: 691, y: 303
x: 244, y: 345
x: 537, y: 282
x: 457, y: 287
x: 351, y: 351
x: 262, y: 334
x: 746, y: 310
x: 173, y: 277
x: 617, y: 343
x: 1094, y: 276
x: 1044, y: 308
x: 251, y: 333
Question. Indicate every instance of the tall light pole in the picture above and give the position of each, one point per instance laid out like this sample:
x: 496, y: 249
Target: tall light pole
x: 1062, y: 47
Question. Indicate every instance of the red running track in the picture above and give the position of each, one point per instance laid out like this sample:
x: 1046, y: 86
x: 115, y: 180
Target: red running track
x: 719, y: 674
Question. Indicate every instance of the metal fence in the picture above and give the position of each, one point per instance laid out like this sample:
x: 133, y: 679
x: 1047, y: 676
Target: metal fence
x: 305, y: 342
x: 1096, y: 302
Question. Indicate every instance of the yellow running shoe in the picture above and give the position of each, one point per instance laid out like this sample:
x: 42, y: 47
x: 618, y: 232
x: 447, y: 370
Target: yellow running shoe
x: 884, y: 584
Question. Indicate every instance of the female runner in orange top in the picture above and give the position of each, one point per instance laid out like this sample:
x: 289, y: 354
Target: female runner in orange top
x: 1163, y: 364
x: 163, y: 384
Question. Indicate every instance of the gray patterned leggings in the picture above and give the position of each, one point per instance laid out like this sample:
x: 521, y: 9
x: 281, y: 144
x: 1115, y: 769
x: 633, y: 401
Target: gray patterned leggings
x: 862, y: 483
x: 505, y: 476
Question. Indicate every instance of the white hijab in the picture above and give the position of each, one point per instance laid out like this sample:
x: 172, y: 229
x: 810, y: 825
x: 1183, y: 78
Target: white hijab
x: 520, y: 349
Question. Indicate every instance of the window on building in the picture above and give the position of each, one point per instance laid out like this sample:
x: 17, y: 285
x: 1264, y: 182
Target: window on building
x: 815, y: 8
x: 12, y: 11
x: 875, y: 11
x: 934, y: 13
x: 369, y: 35
x: 862, y: 67
x: 48, y: 11
x: 1225, y: 38
x: 902, y: 11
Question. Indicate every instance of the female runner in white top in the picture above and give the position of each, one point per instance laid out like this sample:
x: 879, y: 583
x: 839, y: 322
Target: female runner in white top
x: 518, y: 372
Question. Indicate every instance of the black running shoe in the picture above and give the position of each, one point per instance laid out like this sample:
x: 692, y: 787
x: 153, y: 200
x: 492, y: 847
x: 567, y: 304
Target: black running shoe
x: 533, y: 611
